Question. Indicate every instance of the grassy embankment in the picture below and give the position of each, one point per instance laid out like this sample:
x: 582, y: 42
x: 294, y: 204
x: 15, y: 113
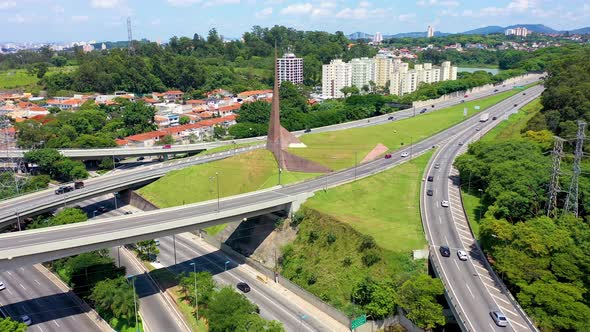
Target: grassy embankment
x: 20, y: 78
x: 337, y: 149
x: 385, y: 206
x: 509, y: 129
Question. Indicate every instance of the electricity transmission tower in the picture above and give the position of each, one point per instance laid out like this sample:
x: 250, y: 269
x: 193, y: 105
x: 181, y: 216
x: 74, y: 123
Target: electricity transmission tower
x: 571, y: 202
x: 12, y: 170
x: 554, y: 187
x: 130, y: 48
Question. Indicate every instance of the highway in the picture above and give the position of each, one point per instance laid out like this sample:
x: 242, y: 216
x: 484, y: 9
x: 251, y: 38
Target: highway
x: 473, y: 290
x: 274, y: 301
x: 130, y: 151
x: 71, y: 239
x: 46, y: 200
x: 30, y: 291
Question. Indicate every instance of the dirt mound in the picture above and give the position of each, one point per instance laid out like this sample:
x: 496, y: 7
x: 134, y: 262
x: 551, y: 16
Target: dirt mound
x: 378, y: 150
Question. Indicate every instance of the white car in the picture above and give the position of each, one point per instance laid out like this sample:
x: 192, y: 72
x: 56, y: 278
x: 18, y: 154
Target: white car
x: 2, y: 287
x: 26, y: 319
x: 405, y: 154
x: 444, y: 203
x: 462, y: 255
x: 157, y: 242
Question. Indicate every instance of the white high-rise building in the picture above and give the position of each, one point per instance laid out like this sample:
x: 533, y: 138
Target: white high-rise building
x: 335, y: 76
x: 290, y: 68
x: 430, y: 31
x: 407, y: 80
x: 518, y: 31
x: 362, y: 72
x: 383, y: 69
x: 378, y: 38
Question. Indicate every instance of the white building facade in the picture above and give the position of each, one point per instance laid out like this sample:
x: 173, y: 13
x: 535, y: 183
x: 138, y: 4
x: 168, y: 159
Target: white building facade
x: 362, y: 71
x: 335, y: 76
x: 290, y: 68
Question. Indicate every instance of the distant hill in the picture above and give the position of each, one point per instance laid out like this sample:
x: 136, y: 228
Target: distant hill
x: 538, y: 28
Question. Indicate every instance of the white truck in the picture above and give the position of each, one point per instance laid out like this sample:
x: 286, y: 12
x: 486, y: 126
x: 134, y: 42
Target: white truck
x: 484, y: 117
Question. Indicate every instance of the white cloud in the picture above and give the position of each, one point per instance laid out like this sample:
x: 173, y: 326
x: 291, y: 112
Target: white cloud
x: 18, y: 18
x: 7, y: 4
x: 274, y: 2
x: 361, y: 13
x: 264, y: 13
x: 406, y: 17
x: 105, y: 3
x: 58, y: 9
x: 364, y: 4
x: 513, y: 8
x: 297, y: 9
x: 79, y: 18
x: 183, y: 3
x: 213, y: 3
x: 442, y: 3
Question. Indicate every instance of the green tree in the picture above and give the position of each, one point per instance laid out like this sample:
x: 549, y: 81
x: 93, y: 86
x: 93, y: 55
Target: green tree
x: 10, y: 325
x: 205, y: 286
x: 219, y: 131
x: 147, y: 250
x: 63, y: 217
x: 417, y: 296
x: 168, y: 139
x: 184, y: 120
x: 107, y: 163
x: 228, y: 310
x: 114, y: 298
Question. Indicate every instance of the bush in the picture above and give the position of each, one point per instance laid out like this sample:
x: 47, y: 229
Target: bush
x: 331, y: 238
x: 371, y: 257
x: 368, y: 242
x: 312, y: 279
x: 313, y: 236
x: 347, y: 261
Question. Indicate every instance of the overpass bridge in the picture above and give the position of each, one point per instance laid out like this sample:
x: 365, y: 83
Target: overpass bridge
x: 26, y: 247
x: 131, y: 151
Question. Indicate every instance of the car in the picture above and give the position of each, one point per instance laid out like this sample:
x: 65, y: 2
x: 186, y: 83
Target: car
x: 78, y: 184
x: 462, y: 255
x: 524, y: 93
x: 307, y: 130
x: 495, y: 90
x: 140, y: 158
x: 515, y: 105
x: 444, y: 203
x: 423, y: 111
x: 437, y: 166
x: 128, y: 212
x: 63, y: 189
x: 102, y: 209
x: 391, y: 118
x: 494, y: 118
x: 462, y: 100
x: 261, y: 138
x: 465, y: 96
x: 2, y: 286
x: 432, y: 106
x: 405, y: 154
x: 445, y: 251
x: 167, y: 146
x: 460, y: 142
x: 243, y: 287
x: 429, y: 192
x: 499, y: 318
x: 477, y: 129
x: 388, y: 156
x: 430, y: 178
x: 26, y: 320
x: 157, y: 242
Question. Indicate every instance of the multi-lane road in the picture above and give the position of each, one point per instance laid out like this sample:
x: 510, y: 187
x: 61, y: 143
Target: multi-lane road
x: 46, y: 200
x: 473, y: 290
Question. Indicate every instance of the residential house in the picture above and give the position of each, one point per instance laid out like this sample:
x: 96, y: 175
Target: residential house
x: 254, y: 95
x: 173, y: 95
x: 146, y: 139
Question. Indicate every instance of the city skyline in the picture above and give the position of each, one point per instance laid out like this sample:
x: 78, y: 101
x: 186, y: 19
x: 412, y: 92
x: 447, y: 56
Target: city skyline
x: 60, y: 20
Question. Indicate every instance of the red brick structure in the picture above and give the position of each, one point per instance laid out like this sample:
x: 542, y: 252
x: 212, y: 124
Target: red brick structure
x: 279, y: 139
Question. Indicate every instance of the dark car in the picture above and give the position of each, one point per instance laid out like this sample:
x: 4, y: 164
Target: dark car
x: 243, y: 287
x: 494, y: 118
x: 495, y: 90
x: 391, y: 118
x: 445, y: 251
x: 79, y: 184
x: 423, y: 111
x: 462, y: 100
x: 524, y: 93
x: 387, y: 156
x: 430, y: 178
x: 167, y: 146
x: 515, y: 105
x: 465, y: 96
x: 63, y: 189
x: 140, y: 158
x: 429, y: 192
x: 432, y: 106
x: 102, y: 209
x: 307, y: 130
x: 128, y: 212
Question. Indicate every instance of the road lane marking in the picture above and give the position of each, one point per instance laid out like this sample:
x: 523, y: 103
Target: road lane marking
x: 457, y: 265
x: 447, y: 240
x: 489, y: 286
x: 469, y: 289
x: 38, y: 283
x: 55, y: 322
x: 22, y: 286
x: 479, y: 267
x: 508, y: 311
x: 501, y: 299
x: 481, y: 275
x: 439, y: 219
x: 517, y: 323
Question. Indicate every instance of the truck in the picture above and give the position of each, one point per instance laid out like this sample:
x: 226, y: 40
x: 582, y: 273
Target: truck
x: 484, y: 117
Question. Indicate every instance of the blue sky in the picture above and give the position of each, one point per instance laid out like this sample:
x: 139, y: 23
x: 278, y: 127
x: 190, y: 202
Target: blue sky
x: 77, y: 20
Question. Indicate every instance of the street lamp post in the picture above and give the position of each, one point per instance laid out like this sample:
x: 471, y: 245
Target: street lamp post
x: 196, y: 291
x: 119, y: 256
x: 280, y: 171
x: 217, y: 176
x: 17, y: 219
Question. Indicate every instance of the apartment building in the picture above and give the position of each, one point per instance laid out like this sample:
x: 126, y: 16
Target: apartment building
x: 383, y: 69
x: 406, y: 80
x: 362, y: 71
x: 335, y: 76
x: 290, y: 68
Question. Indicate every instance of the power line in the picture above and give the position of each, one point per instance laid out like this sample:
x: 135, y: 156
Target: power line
x: 554, y: 187
x: 571, y: 202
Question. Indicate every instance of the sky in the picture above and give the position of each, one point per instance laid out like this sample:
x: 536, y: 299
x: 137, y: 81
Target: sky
x: 101, y: 20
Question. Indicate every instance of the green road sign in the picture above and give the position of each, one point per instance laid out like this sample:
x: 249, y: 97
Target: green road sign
x: 518, y: 87
x: 358, y: 322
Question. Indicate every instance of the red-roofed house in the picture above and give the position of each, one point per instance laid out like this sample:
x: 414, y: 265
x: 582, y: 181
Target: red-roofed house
x: 173, y: 95
x: 146, y: 139
x: 225, y: 110
x: 65, y: 105
x: 254, y: 95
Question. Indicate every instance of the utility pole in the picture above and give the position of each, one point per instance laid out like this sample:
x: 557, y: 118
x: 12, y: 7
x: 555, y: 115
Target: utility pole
x: 571, y: 202
x: 554, y: 187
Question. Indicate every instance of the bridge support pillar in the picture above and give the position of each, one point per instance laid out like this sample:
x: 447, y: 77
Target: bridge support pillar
x: 296, y: 204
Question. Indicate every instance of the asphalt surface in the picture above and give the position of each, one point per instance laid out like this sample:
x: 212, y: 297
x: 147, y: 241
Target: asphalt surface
x: 46, y: 200
x: 273, y: 305
x: 473, y: 289
x: 30, y: 292
x: 119, y: 228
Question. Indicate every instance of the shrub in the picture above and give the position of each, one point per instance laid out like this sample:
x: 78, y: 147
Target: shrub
x: 368, y: 242
x: 371, y: 257
x: 331, y: 238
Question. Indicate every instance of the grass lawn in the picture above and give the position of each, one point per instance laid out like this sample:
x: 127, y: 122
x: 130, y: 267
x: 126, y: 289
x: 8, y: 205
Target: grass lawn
x: 239, y: 174
x: 472, y: 207
x: 385, y: 206
x: 122, y: 325
x: 18, y: 78
x: 337, y: 149
x: 229, y: 147
x: 512, y: 128
x: 188, y: 314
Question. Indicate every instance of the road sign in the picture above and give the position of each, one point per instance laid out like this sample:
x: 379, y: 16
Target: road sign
x: 465, y: 111
x: 358, y: 322
x: 518, y: 87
